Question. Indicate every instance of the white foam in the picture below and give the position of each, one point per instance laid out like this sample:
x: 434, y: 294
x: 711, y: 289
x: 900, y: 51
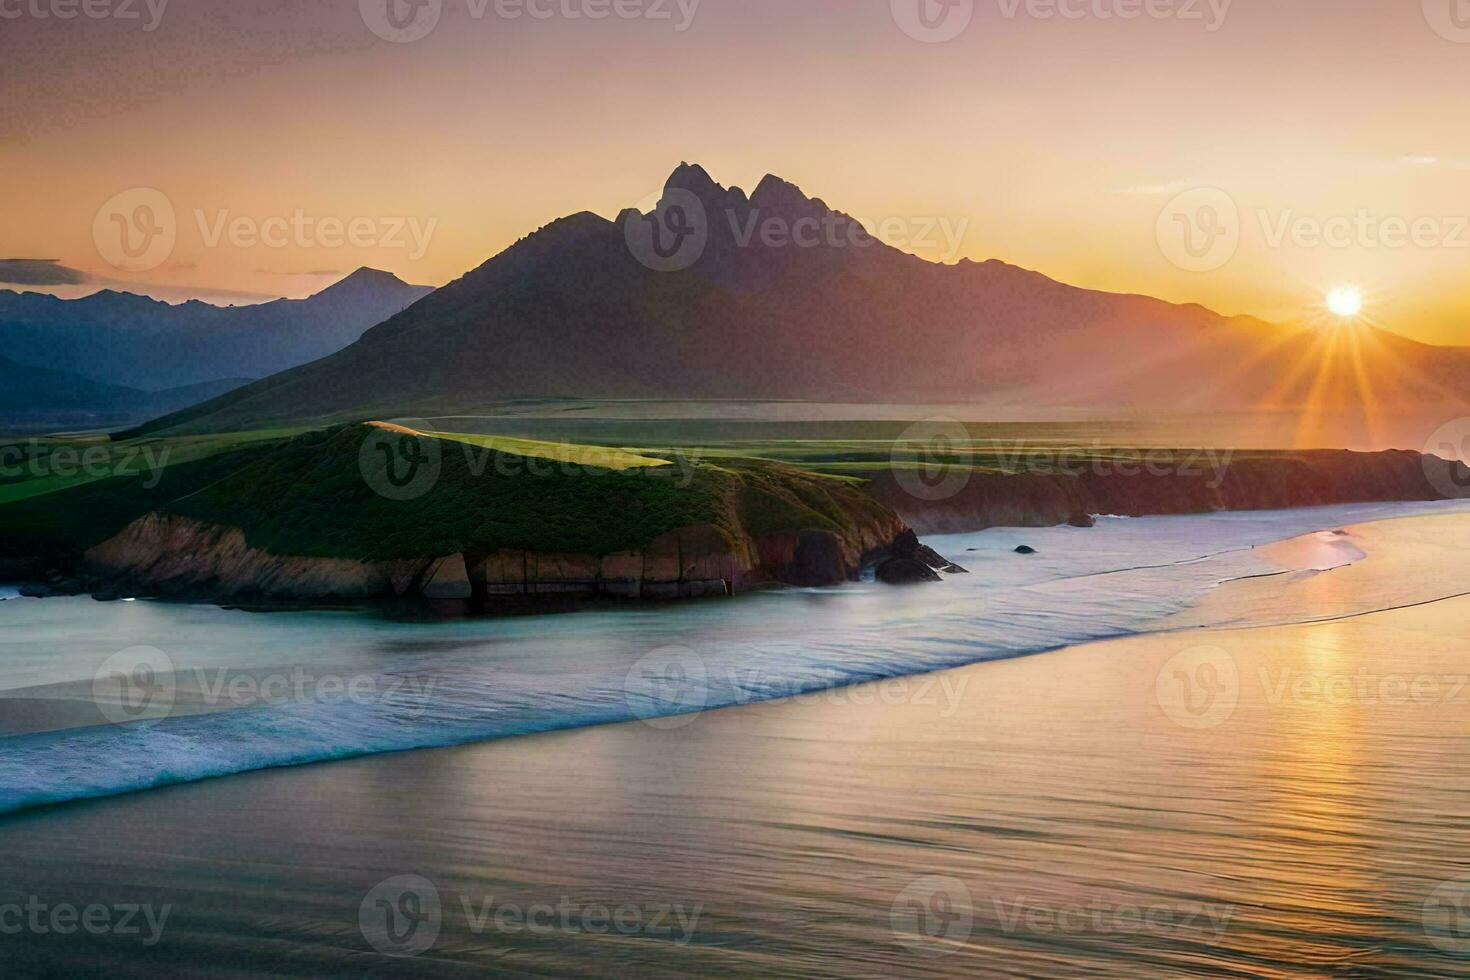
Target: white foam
x: 450, y: 683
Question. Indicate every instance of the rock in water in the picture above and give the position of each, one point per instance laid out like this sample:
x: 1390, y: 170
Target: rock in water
x: 905, y: 571
x: 1025, y: 549
x: 907, y: 546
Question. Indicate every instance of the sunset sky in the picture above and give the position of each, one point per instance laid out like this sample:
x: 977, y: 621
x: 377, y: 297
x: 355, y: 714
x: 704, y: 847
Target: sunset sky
x: 1049, y: 142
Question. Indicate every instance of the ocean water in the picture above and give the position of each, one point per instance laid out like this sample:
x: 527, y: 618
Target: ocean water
x: 102, y: 699
x: 1271, y: 779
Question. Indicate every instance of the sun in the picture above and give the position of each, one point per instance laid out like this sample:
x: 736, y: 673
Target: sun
x: 1345, y: 301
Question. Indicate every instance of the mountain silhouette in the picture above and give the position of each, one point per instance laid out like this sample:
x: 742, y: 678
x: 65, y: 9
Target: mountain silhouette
x: 716, y: 294
x: 36, y: 399
x: 136, y: 342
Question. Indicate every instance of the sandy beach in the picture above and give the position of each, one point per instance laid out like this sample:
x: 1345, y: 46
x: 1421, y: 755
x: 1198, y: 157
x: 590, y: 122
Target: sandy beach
x: 1275, y: 801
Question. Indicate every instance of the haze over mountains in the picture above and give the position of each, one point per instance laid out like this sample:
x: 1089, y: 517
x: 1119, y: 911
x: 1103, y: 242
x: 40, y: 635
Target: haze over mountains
x: 126, y: 339
x: 38, y: 399
x: 583, y: 309
x: 117, y: 358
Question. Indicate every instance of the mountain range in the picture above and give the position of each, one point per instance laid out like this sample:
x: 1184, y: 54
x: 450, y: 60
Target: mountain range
x: 586, y: 307
x: 42, y: 400
x: 125, y: 339
x: 113, y: 358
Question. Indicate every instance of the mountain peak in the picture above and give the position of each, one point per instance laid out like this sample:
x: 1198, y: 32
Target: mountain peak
x: 774, y: 192
x: 368, y: 281
x: 695, y: 179
x: 367, y: 274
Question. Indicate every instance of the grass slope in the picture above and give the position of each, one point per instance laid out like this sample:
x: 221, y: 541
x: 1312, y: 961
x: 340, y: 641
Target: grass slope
x: 312, y: 494
x: 315, y: 497
x: 55, y: 527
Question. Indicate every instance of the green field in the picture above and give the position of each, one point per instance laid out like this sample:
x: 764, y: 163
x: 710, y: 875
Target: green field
x: 601, y: 457
x: 522, y: 483
x: 316, y: 493
x: 34, y: 467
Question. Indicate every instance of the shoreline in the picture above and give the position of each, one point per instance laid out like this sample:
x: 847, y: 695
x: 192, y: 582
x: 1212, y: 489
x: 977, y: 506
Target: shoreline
x: 378, y: 723
x: 1290, y: 811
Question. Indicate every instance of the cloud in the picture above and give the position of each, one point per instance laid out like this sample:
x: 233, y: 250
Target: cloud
x: 1429, y: 160
x: 40, y: 272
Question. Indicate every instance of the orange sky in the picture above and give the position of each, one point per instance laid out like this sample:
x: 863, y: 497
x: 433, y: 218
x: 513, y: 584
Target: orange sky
x: 1050, y: 142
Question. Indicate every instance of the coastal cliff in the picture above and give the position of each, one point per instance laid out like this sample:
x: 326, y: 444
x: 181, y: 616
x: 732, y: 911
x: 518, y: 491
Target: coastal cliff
x: 1142, y: 483
x: 310, y: 523
x: 165, y: 555
x: 376, y: 511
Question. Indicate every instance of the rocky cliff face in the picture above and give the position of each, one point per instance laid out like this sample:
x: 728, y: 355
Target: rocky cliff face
x: 168, y: 555
x: 1244, y: 482
x: 760, y: 525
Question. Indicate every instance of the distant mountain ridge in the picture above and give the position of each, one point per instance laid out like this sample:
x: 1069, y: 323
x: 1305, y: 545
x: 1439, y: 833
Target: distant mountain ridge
x: 39, y: 399
x: 137, y: 342
x: 588, y: 308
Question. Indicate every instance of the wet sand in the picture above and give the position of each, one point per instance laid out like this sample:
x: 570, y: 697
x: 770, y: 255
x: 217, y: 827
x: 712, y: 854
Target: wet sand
x: 1279, y: 802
